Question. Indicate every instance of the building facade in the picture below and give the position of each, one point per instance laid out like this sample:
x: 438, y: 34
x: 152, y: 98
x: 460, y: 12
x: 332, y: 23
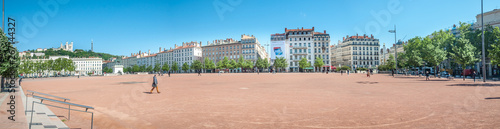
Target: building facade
x: 187, y: 53
x: 218, y: 49
x: 304, y: 43
x: 358, y: 51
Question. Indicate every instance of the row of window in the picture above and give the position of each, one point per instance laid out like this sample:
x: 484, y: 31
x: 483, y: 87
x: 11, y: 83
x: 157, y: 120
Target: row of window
x: 364, y: 58
x: 365, y: 63
x: 364, y: 48
x: 367, y: 53
x: 296, y: 64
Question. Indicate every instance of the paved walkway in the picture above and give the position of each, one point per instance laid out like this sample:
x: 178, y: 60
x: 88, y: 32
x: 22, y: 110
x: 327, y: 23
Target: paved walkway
x: 6, y: 104
x: 43, y: 117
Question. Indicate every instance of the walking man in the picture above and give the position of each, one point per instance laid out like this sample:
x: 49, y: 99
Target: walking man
x: 155, y: 85
x: 199, y: 72
x: 427, y: 76
x: 169, y: 73
x: 20, y: 79
x: 473, y: 76
x: 347, y: 72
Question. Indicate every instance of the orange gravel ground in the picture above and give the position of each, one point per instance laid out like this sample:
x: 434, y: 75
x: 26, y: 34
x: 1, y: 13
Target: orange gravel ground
x: 283, y: 100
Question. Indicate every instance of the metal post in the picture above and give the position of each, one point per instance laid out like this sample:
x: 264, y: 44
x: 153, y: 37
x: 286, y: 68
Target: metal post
x: 396, y: 49
x: 32, y: 108
x: 482, y: 37
x: 69, y: 112
x: 92, y: 121
x: 3, y: 15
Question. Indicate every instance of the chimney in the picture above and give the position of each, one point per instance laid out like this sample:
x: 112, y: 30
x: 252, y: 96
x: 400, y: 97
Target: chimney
x: 159, y: 50
x: 286, y: 29
x: 343, y: 38
x: 325, y: 31
x: 139, y: 51
x: 175, y: 46
x: 372, y: 36
x: 356, y: 35
x: 313, y: 28
x: 302, y: 28
x: 164, y: 49
x: 149, y: 51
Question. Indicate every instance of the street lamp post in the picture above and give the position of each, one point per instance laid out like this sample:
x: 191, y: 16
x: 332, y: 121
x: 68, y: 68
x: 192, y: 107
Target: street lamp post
x: 482, y: 37
x: 395, y: 47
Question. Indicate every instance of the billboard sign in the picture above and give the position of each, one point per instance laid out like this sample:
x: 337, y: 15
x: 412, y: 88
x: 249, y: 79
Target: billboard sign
x: 278, y: 49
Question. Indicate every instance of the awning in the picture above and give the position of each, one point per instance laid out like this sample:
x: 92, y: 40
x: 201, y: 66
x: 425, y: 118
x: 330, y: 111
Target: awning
x: 309, y: 68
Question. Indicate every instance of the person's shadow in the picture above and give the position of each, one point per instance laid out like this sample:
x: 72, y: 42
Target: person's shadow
x: 147, y: 92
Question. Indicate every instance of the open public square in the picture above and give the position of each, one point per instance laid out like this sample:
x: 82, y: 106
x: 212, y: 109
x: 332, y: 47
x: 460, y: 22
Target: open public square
x: 282, y: 100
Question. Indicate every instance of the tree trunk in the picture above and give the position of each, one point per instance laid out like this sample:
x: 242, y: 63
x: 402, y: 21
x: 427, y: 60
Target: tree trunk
x: 2, y: 85
x: 463, y: 73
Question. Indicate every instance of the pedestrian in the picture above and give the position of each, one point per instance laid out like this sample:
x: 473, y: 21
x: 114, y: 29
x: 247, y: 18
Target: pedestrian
x: 327, y: 71
x: 392, y: 72
x: 348, y: 72
x: 199, y: 72
x: 155, y: 85
x: 473, y: 76
x: 367, y: 73
x: 169, y: 73
x: 427, y: 76
x: 371, y: 71
x: 20, y: 79
x: 341, y: 72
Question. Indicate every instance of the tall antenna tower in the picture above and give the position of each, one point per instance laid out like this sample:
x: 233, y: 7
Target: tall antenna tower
x: 92, y: 45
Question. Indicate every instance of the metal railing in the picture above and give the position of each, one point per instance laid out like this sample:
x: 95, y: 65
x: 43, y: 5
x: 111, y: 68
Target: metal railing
x: 56, y: 101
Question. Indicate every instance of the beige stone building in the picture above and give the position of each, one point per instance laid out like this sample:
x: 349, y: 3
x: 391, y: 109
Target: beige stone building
x: 357, y: 51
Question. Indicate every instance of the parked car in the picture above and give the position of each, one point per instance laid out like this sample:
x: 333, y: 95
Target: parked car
x: 444, y: 74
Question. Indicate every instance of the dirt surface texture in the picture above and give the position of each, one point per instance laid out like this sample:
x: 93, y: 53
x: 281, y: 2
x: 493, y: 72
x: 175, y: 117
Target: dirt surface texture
x: 276, y: 101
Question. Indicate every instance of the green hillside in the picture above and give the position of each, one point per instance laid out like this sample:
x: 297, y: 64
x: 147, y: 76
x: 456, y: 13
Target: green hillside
x: 78, y: 53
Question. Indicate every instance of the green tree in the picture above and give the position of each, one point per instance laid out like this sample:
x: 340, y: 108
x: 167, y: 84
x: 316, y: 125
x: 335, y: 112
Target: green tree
x: 345, y: 68
x: 175, y: 67
x: 149, y: 69
x: 403, y: 61
x: 157, y: 67
x: 225, y: 63
x: 142, y: 68
x: 266, y: 63
x: 391, y: 63
x: 241, y: 62
x: 219, y: 65
x: 434, y: 51
x: 185, y: 66
x: 249, y: 64
x: 280, y: 63
x: 233, y: 64
x: 126, y: 69
x: 165, y: 67
x: 494, y: 51
x: 303, y: 63
x: 9, y: 61
x: 136, y: 68
x: 197, y: 65
x: 208, y: 64
x: 318, y: 63
x: 413, y: 52
x: 464, y: 53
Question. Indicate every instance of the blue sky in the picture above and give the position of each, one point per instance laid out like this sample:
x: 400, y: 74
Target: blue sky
x: 122, y: 27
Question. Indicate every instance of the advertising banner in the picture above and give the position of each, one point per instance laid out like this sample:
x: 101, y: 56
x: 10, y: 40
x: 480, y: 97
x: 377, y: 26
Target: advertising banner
x: 278, y: 49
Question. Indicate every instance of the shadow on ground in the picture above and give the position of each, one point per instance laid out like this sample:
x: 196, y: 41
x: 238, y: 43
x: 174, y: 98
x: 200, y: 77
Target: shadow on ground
x: 366, y: 82
x: 130, y: 82
x: 476, y: 84
x: 492, y: 98
x: 437, y: 80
